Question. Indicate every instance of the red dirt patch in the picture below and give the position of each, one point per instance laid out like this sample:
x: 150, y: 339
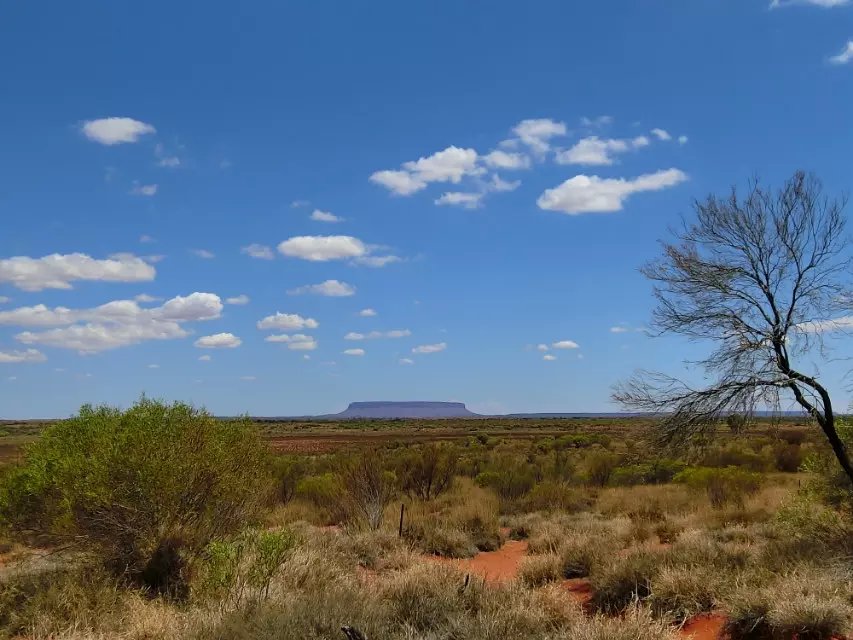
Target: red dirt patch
x: 493, y: 566
x: 705, y: 626
x: 580, y: 590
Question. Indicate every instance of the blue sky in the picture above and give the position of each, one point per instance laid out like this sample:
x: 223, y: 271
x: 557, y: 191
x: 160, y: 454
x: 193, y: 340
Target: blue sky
x: 485, y: 177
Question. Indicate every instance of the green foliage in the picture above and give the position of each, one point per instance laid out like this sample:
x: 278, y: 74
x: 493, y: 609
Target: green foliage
x: 657, y: 472
x: 599, y: 466
x: 510, y: 482
x: 239, y: 571
x: 828, y: 482
x: 287, y: 473
x: 737, y: 454
x: 557, y: 496
x: 581, y: 441
x: 368, y: 488
x: 723, y: 486
x: 146, y: 489
x: 427, y: 471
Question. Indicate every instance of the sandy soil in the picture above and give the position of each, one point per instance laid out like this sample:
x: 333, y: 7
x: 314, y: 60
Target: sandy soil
x: 707, y: 626
x: 492, y: 566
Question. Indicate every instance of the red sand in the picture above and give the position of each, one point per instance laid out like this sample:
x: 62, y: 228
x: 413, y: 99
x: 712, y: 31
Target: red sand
x: 579, y: 590
x: 493, y: 566
x: 705, y: 626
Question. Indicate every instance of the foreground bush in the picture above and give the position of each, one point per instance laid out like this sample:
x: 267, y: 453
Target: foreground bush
x: 729, y: 485
x: 146, y: 489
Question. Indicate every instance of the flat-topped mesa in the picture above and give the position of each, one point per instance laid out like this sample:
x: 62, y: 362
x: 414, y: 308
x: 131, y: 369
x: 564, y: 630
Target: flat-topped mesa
x: 415, y: 409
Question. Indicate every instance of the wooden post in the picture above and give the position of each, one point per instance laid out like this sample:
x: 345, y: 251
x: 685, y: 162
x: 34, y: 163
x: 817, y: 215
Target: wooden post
x: 402, y: 511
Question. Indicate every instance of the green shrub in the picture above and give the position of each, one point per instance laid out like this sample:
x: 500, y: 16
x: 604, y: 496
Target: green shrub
x: 722, y: 486
x: 427, y: 471
x: 509, y: 483
x: 368, y: 488
x: 598, y: 467
x: 287, y: 472
x: 557, y: 496
x: 787, y: 457
x: 240, y: 570
x: 146, y: 489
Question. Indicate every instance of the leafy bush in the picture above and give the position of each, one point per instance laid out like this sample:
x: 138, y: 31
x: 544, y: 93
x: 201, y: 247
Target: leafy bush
x: 427, y: 471
x: 147, y: 489
x: 510, y: 483
x: 287, y: 472
x: 829, y: 483
x: 368, y: 488
x: 240, y: 570
x: 598, y: 467
x: 557, y: 496
x: 657, y: 472
x: 722, y: 486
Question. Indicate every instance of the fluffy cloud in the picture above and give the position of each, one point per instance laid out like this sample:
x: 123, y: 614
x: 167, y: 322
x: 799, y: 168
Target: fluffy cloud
x: 144, y: 190
x: 296, y: 342
x: 114, y: 324
x: 204, y: 358
x: 28, y: 355
x: 110, y: 131
x: 218, y: 341
x: 597, y: 151
x: 375, y: 335
x: 58, y: 271
x: 376, y: 261
x: 818, y: 3
x: 430, y: 348
x: 367, y: 313
x: 661, y: 134
x: 323, y: 248
x: 239, y: 300
x: 449, y: 165
x: 599, y: 121
x: 619, y: 329
x: 203, y: 253
x: 259, y: 251
x: 682, y: 139
x: 549, y: 358
x: 542, y: 347
x: 325, y: 216
x: 591, y: 194
x: 145, y: 298
x: 565, y: 344
x: 354, y: 352
x: 329, y: 288
x: 537, y: 133
x: 498, y: 159
x: 460, y: 198
x: 287, y: 322
x: 845, y: 56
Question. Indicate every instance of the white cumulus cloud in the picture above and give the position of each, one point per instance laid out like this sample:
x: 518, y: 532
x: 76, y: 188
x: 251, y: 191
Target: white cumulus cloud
x: 406, y: 361
x: 460, y: 198
x: 599, y: 151
x: 325, y: 216
x: 258, y: 251
x: 375, y: 335
x: 430, y: 348
x: 507, y: 160
x: 536, y: 133
x: 323, y: 248
x: 661, y: 134
x: 591, y: 194
x: 238, y: 300
x: 218, y: 341
x: 28, y: 355
x: 58, y: 271
x: 296, y: 342
x: 354, y: 352
x: 845, y: 56
x: 549, y: 358
x: 565, y: 344
x: 329, y: 288
x: 144, y: 190
x: 448, y: 165
x: 287, y: 322
x: 203, y: 253
x: 367, y: 313
x: 110, y: 131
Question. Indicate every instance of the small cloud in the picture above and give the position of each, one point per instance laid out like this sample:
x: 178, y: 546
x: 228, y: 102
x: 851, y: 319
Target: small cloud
x: 111, y: 131
x: 565, y: 344
x: 406, y: 361
x: 682, y: 139
x: 153, y: 366
x: 287, y: 322
x: 354, y: 352
x: 845, y: 56
x: 219, y: 341
x: 154, y: 259
x: 375, y: 335
x: 364, y: 313
x: 203, y: 253
x: 619, y: 329
x: 661, y: 134
x: 145, y: 298
x: 146, y: 239
x: 248, y: 378
x: 27, y: 355
x: 466, y: 200
x: 430, y: 348
x: 542, y: 347
x: 296, y: 204
x: 324, y: 216
x: 376, y: 261
x: 306, y: 357
x: 144, y: 190
x: 549, y: 357
x: 296, y: 342
x: 259, y: 251
x: 239, y: 300
x: 171, y: 162
x: 204, y: 358
x: 329, y: 288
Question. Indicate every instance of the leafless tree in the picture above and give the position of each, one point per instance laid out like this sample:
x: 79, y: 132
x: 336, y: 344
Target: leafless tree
x: 765, y: 277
